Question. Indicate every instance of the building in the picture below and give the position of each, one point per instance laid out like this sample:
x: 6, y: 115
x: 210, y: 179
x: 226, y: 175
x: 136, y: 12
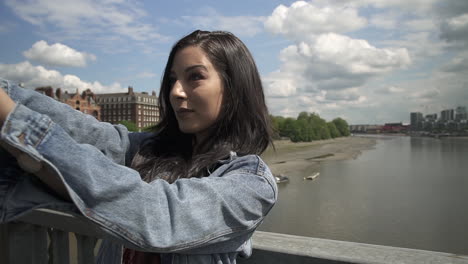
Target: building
x: 447, y: 115
x: 416, y: 121
x: 84, y: 102
x: 139, y: 108
x: 370, y: 129
x: 460, y: 113
x: 431, y: 117
x: 394, y: 128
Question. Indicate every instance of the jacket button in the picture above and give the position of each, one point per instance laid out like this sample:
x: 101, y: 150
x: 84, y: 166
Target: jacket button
x: 29, y: 164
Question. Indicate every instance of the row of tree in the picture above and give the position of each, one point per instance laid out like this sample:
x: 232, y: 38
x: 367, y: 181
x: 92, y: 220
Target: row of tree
x: 308, y: 127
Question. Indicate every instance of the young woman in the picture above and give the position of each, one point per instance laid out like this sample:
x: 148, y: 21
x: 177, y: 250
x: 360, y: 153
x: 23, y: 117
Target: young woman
x: 195, y: 190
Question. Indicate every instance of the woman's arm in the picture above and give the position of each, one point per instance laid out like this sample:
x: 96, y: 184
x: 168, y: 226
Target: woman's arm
x: 112, y: 140
x: 155, y: 216
x: 6, y: 106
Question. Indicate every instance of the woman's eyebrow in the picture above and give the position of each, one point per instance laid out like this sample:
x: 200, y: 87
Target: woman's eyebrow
x: 195, y: 66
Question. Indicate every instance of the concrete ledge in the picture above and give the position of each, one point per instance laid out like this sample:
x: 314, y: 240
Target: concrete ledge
x: 280, y: 248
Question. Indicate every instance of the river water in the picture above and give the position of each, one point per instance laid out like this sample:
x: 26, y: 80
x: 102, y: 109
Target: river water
x: 407, y: 192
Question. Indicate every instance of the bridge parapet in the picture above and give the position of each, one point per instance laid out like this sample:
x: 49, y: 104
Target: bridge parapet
x: 44, y: 236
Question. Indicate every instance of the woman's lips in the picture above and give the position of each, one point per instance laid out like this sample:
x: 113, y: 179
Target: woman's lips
x: 182, y: 112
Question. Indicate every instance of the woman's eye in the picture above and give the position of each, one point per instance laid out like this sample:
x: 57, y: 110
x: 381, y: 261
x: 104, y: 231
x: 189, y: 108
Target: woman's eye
x: 196, y: 77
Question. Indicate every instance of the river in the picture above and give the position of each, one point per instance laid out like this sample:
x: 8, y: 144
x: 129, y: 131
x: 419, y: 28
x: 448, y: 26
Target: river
x: 407, y: 192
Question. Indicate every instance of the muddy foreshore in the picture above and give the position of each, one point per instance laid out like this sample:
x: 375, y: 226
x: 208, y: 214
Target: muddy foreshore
x: 304, y: 158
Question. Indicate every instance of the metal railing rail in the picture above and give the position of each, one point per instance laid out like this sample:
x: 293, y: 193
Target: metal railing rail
x: 275, y: 248
x: 51, y: 237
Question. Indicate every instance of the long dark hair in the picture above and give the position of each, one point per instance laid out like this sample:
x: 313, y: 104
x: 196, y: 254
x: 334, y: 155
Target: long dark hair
x: 243, y: 125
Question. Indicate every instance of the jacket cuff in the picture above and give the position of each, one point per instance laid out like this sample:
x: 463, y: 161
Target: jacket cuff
x: 5, y: 85
x: 25, y: 127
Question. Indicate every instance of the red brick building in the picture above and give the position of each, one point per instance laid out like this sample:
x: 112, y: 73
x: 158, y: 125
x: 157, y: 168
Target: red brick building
x: 84, y: 102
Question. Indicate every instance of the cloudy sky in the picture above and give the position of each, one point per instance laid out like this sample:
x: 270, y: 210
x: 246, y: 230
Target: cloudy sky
x: 368, y: 61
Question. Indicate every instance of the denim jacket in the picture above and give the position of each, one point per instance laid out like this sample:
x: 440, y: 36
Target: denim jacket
x: 195, y: 220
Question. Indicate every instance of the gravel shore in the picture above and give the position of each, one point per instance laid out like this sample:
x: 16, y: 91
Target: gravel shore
x: 304, y: 158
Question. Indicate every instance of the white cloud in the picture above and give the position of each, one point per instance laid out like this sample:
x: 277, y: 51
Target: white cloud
x: 332, y: 62
x: 453, y: 22
x: 87, y: 19
x: 426, y: 95
x: 392, y: 20
x: 146, y: 74
x: 332, y: 74
x: 57, y: 55
x: 278, y: 84
x: 413, y: 5
x: 387, y: 90
x: 385, y: 21
x: 417, y: 6
x: 303, y: 20
x: 457, y: 65
x: 349, y: 95
x: 248, y: 26
x: 423, y: 24
x: 35, y: 76
x: 357, y: 56
x: 455, y: 29
x: 325, y: 75
x: 421, y: 45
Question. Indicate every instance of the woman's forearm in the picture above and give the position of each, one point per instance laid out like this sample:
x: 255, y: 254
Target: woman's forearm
x: 6, y: 106
x: 110, y: 139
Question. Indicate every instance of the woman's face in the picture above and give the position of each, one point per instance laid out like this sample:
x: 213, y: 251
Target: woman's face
x: 196, y: 92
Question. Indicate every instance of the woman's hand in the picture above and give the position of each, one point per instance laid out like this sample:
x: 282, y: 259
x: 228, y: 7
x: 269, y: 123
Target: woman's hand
x: 6, y: 106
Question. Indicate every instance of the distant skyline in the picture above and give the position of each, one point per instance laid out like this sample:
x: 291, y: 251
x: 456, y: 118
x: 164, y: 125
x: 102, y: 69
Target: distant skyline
x: 369, y: 62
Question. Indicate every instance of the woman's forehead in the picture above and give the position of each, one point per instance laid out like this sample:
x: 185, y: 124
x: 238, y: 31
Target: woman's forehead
x: 189, y: 58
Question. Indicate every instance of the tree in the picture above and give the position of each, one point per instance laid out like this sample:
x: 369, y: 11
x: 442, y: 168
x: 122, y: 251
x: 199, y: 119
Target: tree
x: 303, y: 116
x: 342, y: 126
x: 276, y: 122
x: 319, y: 127
x: 132, y: 127
x: 308, y: 127
x: 334, y: 133
x: 148, y: 128
x: 287, y: 127
x: 324, y: 132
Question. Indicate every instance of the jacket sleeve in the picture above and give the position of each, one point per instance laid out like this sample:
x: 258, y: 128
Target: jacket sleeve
x: 155, y: 216
x: 112, y: 140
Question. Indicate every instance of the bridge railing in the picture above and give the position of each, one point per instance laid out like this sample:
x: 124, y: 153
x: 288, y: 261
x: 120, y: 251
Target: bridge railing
x: 51, y: 237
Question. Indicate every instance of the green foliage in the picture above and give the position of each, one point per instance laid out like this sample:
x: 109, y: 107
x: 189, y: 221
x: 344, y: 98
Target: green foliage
x: 342, y: 126
x: 334, y: 133
x: 276, y: 122
x: 132, y: 127
x: 148, y: 129
x: 308, y: 127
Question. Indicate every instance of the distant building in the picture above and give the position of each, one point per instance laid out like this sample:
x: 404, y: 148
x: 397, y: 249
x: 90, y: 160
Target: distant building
x: 431, y: 117
x: 416, y: 119
x: 461, y: 113
x: 84, y: 102
x: 370, y: 129
x: 139, y: 108
x: 394, y: 128
x: 447, y: 115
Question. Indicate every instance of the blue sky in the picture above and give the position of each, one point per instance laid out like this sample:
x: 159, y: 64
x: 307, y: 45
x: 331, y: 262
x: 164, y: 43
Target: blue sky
x: 366, y: 61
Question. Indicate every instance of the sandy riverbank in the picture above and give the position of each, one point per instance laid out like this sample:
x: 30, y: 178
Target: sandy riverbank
x: 303, y: 159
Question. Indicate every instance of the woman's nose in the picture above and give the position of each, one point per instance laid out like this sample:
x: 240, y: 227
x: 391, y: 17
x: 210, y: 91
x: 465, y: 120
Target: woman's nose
x: 178, y: 91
